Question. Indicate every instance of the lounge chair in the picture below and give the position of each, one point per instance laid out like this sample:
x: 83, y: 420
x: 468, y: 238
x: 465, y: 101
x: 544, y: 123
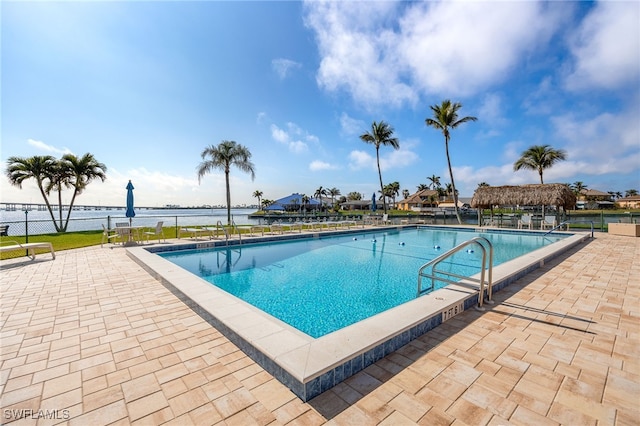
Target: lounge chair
x: 158, y: 232
x: 107, y: 235
x: 28, y: 248
x: 548, y: 222
x: 525, y: 221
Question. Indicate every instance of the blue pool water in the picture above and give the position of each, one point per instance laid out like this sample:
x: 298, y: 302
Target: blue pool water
x: 321, y: 285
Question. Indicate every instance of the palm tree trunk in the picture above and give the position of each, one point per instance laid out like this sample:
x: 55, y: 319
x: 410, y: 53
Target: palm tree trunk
x: 226, y: 177
x: 73, y: 199
x: 384, y: 199
x: 46, y: 201
x: 453, y: 185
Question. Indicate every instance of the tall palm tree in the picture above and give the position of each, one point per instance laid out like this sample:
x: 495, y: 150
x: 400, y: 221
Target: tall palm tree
x: 58, y: 178
x: 222, y: 157
x: 319, y: 193
x: 394, y: 191
x: 539, y: 157
x: 258, y: 194
x: 380, y: 134
x: 39, y: 168
x: 80, y: 171
x: 334, y: 192
x: 445, y: 118
x: 435, y: 181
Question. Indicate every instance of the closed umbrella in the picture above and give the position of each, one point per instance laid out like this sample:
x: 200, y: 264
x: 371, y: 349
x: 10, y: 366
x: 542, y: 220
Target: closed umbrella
x: 130, y: 212
x: 373, y: 202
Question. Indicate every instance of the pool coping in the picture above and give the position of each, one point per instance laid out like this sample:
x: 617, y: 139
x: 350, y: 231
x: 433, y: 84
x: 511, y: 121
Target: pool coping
x: 310, y: 366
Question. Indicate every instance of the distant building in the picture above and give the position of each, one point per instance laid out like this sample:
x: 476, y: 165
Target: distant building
x: 592, y: 199
x: 421, y: 200
x: 356, y: 205
x: 293, y: 203
x: 632, y: 202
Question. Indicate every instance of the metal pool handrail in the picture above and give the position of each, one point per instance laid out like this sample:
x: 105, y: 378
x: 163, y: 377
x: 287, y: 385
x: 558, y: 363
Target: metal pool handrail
x: 480, y: 241
x: 568, y: 222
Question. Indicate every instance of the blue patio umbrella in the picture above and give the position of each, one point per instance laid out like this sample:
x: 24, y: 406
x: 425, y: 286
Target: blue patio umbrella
x: 130, y: 212
x: 373, y: 202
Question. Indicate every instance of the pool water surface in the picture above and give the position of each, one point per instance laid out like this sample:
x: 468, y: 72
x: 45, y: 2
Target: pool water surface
x: 320, y: 285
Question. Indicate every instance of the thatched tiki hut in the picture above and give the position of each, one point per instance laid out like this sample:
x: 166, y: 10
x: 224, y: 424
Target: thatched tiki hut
x: 548, y: 194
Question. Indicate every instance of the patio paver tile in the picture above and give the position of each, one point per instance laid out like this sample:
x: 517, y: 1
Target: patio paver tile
x: 561, y: 345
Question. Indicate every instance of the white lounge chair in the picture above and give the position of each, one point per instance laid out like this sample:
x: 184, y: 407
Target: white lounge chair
x: 158, y: 232
x: 28, y: 248
x: 548, y: 222
x: 525, y: 221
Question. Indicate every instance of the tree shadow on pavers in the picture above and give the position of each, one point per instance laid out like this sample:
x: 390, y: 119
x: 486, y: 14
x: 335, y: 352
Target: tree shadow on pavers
x: 353, y: 389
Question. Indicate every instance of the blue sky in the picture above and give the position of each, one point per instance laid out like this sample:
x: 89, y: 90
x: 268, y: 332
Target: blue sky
x: 146, y: 86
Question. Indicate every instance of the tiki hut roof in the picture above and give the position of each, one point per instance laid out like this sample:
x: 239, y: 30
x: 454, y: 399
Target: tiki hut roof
x: 551, y: 194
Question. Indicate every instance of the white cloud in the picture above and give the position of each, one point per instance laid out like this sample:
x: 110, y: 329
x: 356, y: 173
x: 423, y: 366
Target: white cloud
x: 48, y: 148
x: 391, y: 160
x: 296, y: 139
x: 350, y: 126
x: 385, y: 53
x: 606, y: 48
x: 361, y: 160
x: 283, y: 67
x: 318, y: 165
x: 606, y: 143
x: 492, y: 110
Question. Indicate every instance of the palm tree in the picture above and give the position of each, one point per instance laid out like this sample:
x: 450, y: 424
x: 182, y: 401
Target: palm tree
x: 422, y: 187
x: 319, y: 193
x: 354, y: 196
x: 435, y: 181
x: 578, y: 187
x: 51, y: 174
x: 394, y: 191
x: 630, y: 193
x: 258, y: 194
x: 539, y: 157
x: 334, y: 192
x: 305, y: 200
x: 58, y: 178
x: 445, y: 118
x: 483, y: 184
x: 222, y: 157
x: 380, y: 134
x: 79, y: 173
x: 38, y: 168
x: 405, y: 193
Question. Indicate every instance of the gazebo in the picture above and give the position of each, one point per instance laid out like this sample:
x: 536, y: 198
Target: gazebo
x: 548, y: 194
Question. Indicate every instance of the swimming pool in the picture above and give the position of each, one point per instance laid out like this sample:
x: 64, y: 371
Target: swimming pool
x: 309, y: 366
x: 320, y: 285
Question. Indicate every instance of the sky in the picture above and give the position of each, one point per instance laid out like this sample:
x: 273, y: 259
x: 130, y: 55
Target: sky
x: 146, y: 86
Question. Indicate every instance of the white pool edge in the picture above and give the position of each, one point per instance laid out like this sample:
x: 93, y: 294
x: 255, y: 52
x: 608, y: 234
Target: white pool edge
x: 311, y: 366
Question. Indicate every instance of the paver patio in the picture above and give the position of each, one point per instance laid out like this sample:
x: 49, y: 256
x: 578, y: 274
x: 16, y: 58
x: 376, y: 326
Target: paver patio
x: 91, y: 338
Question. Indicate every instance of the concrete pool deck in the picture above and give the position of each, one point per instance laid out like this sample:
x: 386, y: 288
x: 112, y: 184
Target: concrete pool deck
x: 95, y: 337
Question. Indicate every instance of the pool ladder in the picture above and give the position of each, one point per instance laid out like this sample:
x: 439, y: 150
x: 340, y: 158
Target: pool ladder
x: 446, y: 276
x: 225, y: 229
